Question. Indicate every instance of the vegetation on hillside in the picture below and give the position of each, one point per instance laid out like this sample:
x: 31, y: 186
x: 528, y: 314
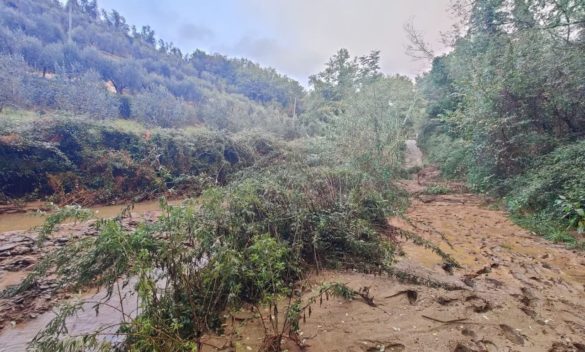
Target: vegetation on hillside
x: 103, y: 68
x: 75, y: 160
x: 507, y: 105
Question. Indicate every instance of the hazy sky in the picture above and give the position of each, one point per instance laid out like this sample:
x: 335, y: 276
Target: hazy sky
x: 294, y: 36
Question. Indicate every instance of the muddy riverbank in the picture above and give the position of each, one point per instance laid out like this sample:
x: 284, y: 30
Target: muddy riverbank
x: 513, y: 291
x: 20, y: 251
x: 35, y: 213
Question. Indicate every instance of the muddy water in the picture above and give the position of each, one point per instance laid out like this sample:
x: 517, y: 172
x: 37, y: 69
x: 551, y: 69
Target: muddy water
x: 16, y: 338
x: 30, y: 219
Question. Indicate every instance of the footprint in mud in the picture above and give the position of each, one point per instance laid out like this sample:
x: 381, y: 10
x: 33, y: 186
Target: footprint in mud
x: 474, y: 346
x: 468, y: 332
x: 464, y: 348
x: 410, y: 294
x: 495, y: 284
x: 478, y: 304
x: 446, y: 301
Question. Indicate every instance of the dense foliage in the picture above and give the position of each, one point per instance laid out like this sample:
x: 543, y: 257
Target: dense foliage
x: 245, y: 244
x: 78, y: 161
x: 104, y: 68
x: 510, y: 94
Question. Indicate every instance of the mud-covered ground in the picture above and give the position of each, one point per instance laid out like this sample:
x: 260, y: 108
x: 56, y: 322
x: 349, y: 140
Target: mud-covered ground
x: 514, y: 290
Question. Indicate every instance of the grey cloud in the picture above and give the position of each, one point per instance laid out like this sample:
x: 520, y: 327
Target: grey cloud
x: 192, y: 32
x: 280, y: 54
x: 322, y: 27
x: 296, y: 37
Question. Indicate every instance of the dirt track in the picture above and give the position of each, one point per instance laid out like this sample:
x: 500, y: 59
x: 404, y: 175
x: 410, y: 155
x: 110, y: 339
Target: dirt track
x: 513, y: 292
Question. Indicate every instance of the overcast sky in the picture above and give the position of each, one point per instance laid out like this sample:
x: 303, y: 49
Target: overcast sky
x: 294, y: 36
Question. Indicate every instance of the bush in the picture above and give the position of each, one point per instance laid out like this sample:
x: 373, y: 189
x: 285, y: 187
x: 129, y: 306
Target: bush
x: 452, y: 156
x: 562, y: 172
x: 244, y: 244
x: 549, y: 197
x: 76, y: 160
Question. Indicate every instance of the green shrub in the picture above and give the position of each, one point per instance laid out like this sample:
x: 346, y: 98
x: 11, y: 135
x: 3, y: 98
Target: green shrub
x: 450, y: 155
x: 245, y: 243
x: 573, y: 212
x: 548, y: 198
x: 437, y: 189
x: 74, y: 160
x: 562, y: 172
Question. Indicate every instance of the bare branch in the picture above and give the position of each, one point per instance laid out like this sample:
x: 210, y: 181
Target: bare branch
x: 418, y: 48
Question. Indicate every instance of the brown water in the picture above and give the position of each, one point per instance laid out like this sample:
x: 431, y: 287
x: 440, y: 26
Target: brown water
x: 16, y: 338
x: 28, y: 220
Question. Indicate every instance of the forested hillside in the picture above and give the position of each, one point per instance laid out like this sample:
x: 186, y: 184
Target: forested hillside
x: 77, y: 58
x: 507, y: 107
